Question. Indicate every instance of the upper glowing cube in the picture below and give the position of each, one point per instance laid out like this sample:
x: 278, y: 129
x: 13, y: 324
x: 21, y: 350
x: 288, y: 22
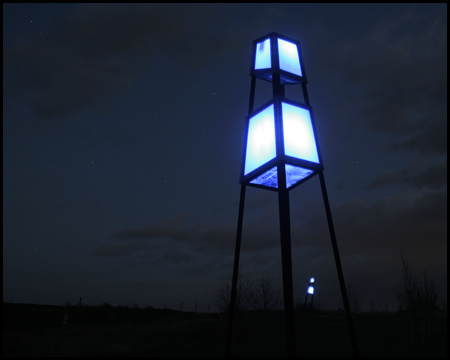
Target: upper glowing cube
x: 275, y: 53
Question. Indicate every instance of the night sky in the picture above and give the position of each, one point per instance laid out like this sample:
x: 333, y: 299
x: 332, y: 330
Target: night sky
x: 123, y: 130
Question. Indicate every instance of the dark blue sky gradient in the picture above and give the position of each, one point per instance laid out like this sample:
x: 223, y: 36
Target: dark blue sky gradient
x: 123, y: 130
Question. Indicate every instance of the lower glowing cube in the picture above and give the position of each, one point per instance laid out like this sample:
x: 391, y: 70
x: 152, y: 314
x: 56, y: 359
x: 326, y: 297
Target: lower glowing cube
x: 294, y: 129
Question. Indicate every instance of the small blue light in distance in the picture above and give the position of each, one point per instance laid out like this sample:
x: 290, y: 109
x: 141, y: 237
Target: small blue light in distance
x: 262, y: 58
x: 261, y: 140
x: 311, y: 290
x: 288, y: 56
x: 299, y: 141
x: 311, y: 280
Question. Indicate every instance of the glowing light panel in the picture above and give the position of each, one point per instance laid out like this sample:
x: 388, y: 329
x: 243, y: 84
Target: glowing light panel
x: 262, y: 58
x: 261, y: 139
x: 294, y: 174
x: 299, y: 141
x: 311, y: 289
x: 288, y: 56
x: 311, y: 280
x: 269, y: 178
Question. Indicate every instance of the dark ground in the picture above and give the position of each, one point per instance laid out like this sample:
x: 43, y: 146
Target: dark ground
x: 38, y: 330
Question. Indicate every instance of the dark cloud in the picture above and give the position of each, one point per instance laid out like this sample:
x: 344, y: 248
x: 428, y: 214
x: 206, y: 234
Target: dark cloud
x: 98, y: 53
x: 120, y: 248
x: 395, y: 77
x: 430, y: 136
x: 404, y: 220
x: 177, y: 256
x: 204, y: 237
x: 433, y: 177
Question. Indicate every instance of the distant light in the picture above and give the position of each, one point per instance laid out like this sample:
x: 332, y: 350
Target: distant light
x: 263, y: 55
x: 311, y: 280
x: 311, y: 289
x: 260, y: 140
x: 288, y: 54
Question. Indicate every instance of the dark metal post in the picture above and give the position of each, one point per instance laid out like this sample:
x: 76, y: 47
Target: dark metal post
x: 237, y: 252
x: 285, y: 231
x: 252, y: 94
x: 304, y: 304
x: 286, y: 260
x: 338, y: 264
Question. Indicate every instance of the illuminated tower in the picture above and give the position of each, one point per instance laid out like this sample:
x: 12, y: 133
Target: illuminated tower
x: 281, y: 152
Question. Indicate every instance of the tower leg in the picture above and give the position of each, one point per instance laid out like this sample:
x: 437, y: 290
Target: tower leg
x: 235, y: 273
x: 304, y: 304
x: 286, y: 261
x: 338, y: 264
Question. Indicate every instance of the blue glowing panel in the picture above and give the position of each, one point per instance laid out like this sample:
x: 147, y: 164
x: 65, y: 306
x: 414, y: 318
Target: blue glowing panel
x: 288, y: 55
x: 262, y: 58
x: 261, y: 140
x: 269, y: 178
x: 299, y: 141
x: 311, y: 280
x: 294, y: 174
x: 311, y: 290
